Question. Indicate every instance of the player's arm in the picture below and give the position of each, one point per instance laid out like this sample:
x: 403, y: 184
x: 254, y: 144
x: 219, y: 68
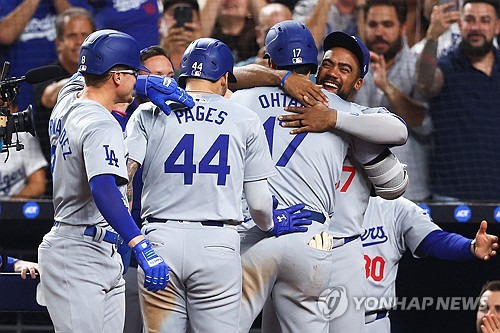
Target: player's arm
x: 387, y: 174
x: 454, y: 247
x: 379, y: 128
x: 132, y: 167
x: 298, y: 86
x: 263, y: 209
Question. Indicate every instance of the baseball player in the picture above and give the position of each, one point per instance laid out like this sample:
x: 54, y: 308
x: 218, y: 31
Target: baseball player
x: 10, y: 264
x: 81, y: 272
x: 287, y: 265
x: 197, y: 163
x: 375, y: 125
x: 392, y: 227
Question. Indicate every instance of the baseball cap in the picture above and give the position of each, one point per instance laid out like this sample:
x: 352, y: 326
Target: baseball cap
x: 351, y: 43
x: 193, y: 3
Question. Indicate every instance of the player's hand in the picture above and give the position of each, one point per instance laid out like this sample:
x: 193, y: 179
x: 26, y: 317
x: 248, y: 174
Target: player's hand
x: 25, y: 267
x: 160, y: 89
x: 156, y: 271
x: 441, y: 20
x: 317, y: 118
x: 491, y: 323
x: 299, y: 86
x: 486, y: 245
x: 288, y: 220
x: 322, y: 241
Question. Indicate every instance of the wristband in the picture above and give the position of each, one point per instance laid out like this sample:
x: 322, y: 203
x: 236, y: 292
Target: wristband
x: 282, y: 84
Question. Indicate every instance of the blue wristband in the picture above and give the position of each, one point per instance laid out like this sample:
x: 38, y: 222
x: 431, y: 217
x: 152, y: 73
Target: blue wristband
x: 284, y: 78
x: 10, y: 264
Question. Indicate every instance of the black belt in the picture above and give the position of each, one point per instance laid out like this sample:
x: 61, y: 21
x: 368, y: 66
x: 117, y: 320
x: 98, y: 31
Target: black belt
x: 206, y: 223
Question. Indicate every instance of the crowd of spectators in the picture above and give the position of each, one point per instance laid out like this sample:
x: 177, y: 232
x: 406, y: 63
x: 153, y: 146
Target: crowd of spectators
x: 434, y: 64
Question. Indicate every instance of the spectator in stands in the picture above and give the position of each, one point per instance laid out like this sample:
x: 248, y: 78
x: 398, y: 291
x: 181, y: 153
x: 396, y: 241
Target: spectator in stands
x: 289, y: 3
x: 325, y: 16
x: 391, y: 83
x: 488, y: 313
x: 22, y: 175
x: 444, y: 25
x: 72, y: 27
x: 138, y: 18
x: 464, y: 91
x: 174, y: 40
x: 27, y: 34
x: 269, y: 15
x: 230, y: 21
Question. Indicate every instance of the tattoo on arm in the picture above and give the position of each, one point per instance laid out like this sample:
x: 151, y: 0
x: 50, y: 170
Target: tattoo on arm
x: 429, y: 76
x: 132, y: 167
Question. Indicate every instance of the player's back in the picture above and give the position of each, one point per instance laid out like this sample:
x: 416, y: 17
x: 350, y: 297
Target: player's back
x: 71, y: 121
x: 197, y: 159
x: 308, y: 164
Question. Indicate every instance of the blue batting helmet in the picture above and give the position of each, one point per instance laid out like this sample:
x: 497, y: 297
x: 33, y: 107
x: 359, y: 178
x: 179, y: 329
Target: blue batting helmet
x: 291, y: 43
x: 104, y: 49
x: 206, y: 58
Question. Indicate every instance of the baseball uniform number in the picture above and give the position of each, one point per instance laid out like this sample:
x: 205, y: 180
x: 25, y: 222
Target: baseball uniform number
x: 374, y: 267
x: 290, y: 149
x: 188, y: 168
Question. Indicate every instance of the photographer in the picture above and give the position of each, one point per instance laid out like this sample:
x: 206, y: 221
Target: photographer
x: 22, y: 176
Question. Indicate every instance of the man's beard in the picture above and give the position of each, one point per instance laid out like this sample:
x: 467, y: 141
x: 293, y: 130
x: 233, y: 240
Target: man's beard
x: 393, y: 49
x: 471, y: 51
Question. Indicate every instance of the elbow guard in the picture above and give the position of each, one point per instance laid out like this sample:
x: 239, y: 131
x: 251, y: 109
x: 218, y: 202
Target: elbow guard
x: 388, y: 176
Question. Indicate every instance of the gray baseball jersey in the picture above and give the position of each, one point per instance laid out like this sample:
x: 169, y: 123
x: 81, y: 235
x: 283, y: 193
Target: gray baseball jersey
x: 391, y: 227
x: 194, y: 165
x: 86, y: 141
x: 204, y: 154
x: 309, y: 167
x: 81, y: 279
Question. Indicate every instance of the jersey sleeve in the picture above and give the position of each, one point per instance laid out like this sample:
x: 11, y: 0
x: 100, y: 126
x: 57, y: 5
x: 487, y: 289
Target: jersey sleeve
x: 364, y: 151
x: 136, y: 135
x: 104, y: 151
x: 413, y: 224
x: 258, y: 161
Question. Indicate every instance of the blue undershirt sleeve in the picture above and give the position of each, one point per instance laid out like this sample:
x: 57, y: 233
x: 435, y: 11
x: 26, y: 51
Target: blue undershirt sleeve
x: 109, y: 201
x: 445, y: 245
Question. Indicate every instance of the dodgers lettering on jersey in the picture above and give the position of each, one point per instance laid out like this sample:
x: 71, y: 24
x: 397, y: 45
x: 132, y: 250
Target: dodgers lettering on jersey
x: 391, y: 227
x: 198, y: 157
x: 85, y: 140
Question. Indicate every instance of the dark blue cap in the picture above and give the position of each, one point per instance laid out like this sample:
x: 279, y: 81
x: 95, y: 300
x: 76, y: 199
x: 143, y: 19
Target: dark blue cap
x: 351, y: 43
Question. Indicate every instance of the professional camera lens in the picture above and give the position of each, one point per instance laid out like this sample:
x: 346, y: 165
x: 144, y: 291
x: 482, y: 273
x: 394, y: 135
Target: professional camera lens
x: 24, y: 122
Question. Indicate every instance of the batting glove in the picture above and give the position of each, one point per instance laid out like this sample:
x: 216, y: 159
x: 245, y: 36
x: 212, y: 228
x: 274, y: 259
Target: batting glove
x: 156, y: 271
x: 288, y: 220
x: 160, y: 89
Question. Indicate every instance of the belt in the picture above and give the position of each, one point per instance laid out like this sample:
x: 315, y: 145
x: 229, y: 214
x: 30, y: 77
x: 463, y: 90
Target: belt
x: 316, y: 216
x: 206, y: 223
x: 98, y: 234
x: 337, y: 242
x: 376, y: 315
